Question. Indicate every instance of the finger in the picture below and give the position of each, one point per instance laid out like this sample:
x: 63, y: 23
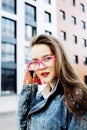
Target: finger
x: 27, y: 77
x: 27, y: 80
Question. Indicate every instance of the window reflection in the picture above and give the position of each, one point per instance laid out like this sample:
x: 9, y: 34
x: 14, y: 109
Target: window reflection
x: 9, y: 5
x: 47, y: 1
x: 8, y: 28
x: 27, y: 54
x: 8, y: 85
x: 30, y: 31
x: 30, y: 12
x: 8, y: 52
x: 30, y: 21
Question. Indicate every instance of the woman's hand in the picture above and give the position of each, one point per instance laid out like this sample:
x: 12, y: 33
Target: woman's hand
x: 27, y: 77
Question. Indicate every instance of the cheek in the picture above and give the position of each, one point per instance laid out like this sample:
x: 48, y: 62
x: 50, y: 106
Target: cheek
x: 54, y: 71
x: 37, y: 73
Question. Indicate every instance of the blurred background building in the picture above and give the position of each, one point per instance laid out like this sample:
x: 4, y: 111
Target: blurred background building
x: 21, y: 20
x: 72, y: 30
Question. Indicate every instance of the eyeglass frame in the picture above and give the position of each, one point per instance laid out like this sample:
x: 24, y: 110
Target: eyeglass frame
x: 40, y: 61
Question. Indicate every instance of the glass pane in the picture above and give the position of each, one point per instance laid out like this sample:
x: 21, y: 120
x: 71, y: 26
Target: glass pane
x: 8, y: 81
x: 8, y: 52
x: 8, y: 28
x: 47, y: 17
x: 9, y: 5
x: 30, y: 31
x: 47, y: 1
x: 27, y: 55
x: 30, y: 13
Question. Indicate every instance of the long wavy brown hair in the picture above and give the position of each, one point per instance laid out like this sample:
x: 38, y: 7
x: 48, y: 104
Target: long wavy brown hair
x: 74, y: 89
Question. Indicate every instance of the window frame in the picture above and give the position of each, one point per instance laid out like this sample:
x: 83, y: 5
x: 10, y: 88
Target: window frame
x: 48, y: 17
x: 75, y: 39
x: 76, y: 59
x: 74, y: 20
x: 63, y: 35
x: 82, y: 7
x: 63, y: 14
x: 12, y: 27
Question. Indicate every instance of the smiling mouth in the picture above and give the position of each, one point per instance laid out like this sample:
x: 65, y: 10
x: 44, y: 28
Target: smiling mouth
x: 45, y: 74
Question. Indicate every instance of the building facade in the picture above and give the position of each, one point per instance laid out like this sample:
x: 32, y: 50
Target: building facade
x: 19, y: 22
x: 72, y: 31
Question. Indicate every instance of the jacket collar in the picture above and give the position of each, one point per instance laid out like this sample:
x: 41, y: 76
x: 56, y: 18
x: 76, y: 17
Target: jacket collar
x: 41, y: 104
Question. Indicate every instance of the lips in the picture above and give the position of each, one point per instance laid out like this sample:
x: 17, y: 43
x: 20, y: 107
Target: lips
x: 45, y: 74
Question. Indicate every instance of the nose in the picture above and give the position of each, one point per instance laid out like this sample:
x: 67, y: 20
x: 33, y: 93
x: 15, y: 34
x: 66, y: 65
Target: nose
x: 41, y: 65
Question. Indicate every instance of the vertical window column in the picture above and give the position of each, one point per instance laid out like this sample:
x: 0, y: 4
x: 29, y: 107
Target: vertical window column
x: 8, y: 56
x: 30, y: 21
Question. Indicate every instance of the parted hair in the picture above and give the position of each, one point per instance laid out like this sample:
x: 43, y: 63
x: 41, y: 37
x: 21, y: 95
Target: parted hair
x: 74, y: 89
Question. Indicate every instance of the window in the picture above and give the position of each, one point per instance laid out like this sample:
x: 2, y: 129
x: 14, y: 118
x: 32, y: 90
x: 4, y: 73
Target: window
x: 73, y: 2
x: 8, y: 81
x: 82, y: 7
x: 76, y: 59
x: 63, y: 35
x: 30, y: 13
x: 83, y: 24
x: 8, y: 28
x: 48, y: 32
x: 84, y: 42
x: 27, y: 54
x: 8, y: 52
x: 85, y: 60
x: 47, y: 1
x: 47, y: 17
x: 30, y: 31
x: 74, y: 20
x: 85, y: 79
x: 75, y: 39
x: 9, y: 5
x: 62, y: 14
x: 30, y: 21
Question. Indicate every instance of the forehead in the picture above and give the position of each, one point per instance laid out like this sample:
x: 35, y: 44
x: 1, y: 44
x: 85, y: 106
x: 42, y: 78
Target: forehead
x: 38, y: 51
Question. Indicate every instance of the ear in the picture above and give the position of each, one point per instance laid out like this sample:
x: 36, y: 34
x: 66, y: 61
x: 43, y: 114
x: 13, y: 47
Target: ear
x: 37, y: 79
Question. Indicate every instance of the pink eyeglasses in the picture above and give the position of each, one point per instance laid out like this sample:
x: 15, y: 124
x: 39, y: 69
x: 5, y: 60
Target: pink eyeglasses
x: 47, y: 61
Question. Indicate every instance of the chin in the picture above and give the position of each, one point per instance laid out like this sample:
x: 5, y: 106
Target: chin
x: 46, y: 81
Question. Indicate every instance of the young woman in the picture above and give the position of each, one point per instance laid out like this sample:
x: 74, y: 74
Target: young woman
x: 62, y: 103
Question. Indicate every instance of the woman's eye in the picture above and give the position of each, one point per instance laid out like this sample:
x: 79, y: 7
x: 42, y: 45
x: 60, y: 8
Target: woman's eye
x: 35, y: 62
x: 47, y: 58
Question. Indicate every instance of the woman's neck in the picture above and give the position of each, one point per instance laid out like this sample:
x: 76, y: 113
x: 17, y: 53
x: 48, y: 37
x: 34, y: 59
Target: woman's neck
x: 47, y: 89
x: 52, y: 83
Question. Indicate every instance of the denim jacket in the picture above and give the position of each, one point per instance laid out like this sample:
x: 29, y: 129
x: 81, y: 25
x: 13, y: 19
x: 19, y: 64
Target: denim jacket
x: 36, y: 113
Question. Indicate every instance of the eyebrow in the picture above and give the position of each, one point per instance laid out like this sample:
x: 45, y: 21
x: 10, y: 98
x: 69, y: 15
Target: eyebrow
x: 42, y: 57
